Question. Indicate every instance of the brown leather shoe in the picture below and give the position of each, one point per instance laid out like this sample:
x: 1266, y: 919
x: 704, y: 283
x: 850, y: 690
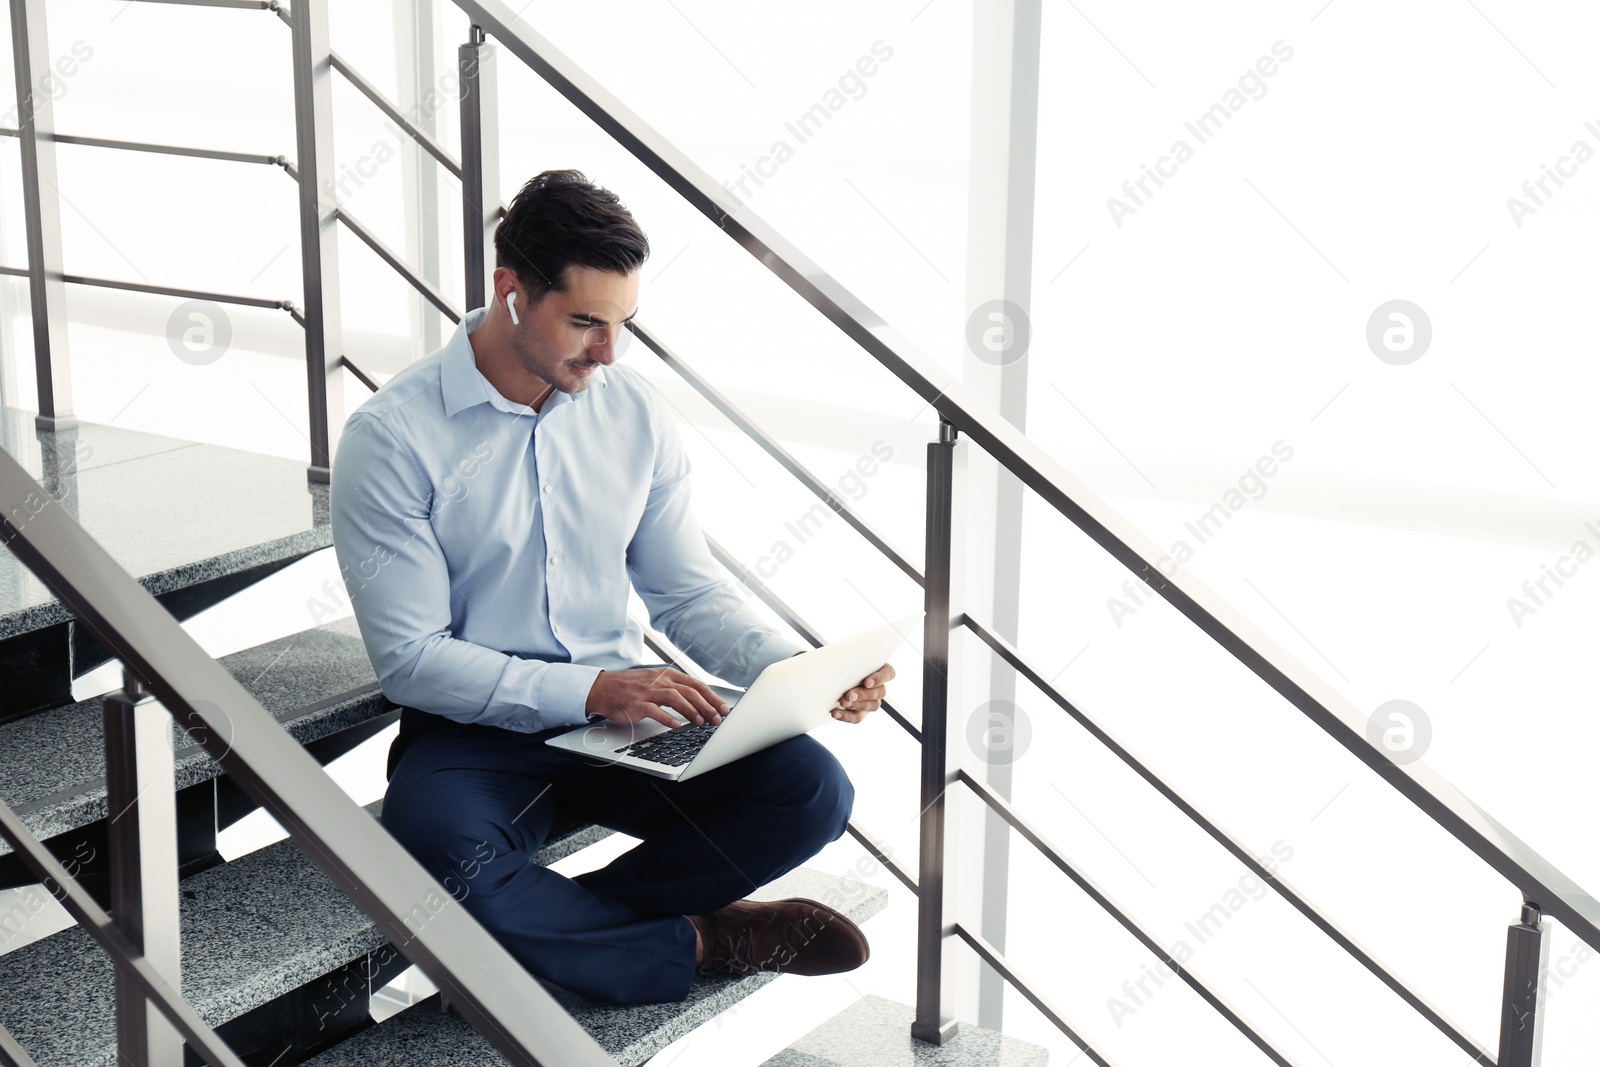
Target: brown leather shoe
x: 795, y: 935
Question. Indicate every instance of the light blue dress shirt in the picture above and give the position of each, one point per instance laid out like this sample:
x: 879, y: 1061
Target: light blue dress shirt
x: 488, y: 548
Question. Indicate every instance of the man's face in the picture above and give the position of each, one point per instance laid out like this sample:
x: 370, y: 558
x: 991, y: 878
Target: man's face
x: 568, y: 333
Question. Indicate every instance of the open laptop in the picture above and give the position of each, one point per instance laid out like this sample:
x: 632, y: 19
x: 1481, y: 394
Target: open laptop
x: 787, y: 699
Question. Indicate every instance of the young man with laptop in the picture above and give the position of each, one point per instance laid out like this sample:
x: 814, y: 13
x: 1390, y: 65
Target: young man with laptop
x: 492, y: 505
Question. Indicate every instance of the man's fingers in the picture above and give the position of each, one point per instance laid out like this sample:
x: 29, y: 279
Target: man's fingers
x: 650, y: 709
x: 714, y: 702
x: 704, y: 710
x: 683, y: 703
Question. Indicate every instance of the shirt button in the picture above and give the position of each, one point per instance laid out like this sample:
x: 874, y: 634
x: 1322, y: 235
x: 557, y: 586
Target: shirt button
x: 555, y: 627
x: 548, y: 489
x: 554, y: 560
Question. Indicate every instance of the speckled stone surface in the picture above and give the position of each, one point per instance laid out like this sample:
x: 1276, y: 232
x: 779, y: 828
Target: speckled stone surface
x: 876, y: 1032
x: 173, y: 513
x: 254, y: 929
x: 422, y: 1035
x: 316, y: 682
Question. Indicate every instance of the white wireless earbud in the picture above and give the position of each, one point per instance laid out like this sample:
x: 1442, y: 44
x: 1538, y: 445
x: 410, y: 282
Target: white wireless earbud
x: 511, y: 306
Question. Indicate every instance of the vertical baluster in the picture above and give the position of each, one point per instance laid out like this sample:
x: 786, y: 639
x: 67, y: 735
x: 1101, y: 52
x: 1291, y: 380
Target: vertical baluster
x: 946, y: 981
x: 480, y: 164
x: 141, y: 804
x: 319, y: 245
x: 1522, y: 1013
x: 41, y: 212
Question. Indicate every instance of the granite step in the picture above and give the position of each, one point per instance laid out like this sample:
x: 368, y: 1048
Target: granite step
x: 254, y: 930
x: 422, y: 1034
x: 190, y: 521
x: 876, y: 1032
x: 316, y: 683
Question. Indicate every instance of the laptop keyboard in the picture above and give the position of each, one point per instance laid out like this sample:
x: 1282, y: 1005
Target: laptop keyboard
x: 674, y: 747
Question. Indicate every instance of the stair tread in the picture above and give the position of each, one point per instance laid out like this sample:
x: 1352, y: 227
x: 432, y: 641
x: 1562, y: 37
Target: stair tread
x: 254, y: 929
x: 52, y: 764
x: 630, y: 1034
x: 876, y: 1032
x: 172, y: 512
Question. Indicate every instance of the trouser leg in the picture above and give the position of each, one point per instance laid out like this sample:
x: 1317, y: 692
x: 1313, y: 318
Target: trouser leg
x: 473, y: 808
x: 719, y: 836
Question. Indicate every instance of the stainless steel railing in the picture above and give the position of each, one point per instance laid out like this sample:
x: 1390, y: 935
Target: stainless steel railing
x: 492, y: 990
x: 965, y: 422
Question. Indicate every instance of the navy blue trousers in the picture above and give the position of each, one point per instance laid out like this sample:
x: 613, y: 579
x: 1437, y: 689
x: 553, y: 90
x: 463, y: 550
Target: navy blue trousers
x: 474, y: 804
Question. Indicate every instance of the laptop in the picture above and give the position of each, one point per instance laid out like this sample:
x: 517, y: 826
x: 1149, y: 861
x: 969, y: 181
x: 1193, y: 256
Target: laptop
x: 787, y: 699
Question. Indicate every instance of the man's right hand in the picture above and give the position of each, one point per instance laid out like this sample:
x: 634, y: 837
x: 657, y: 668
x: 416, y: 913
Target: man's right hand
x: 636, y: 695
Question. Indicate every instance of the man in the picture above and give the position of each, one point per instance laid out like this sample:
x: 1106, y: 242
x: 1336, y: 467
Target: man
x: 492, y: 504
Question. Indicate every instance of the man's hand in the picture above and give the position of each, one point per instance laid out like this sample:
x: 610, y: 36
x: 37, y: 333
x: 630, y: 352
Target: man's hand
x: 868, y: 696
x: 636, y: 695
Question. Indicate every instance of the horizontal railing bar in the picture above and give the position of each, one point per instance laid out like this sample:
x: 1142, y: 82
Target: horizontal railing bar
x: 361, y: 376
x: 421, y: 285
x: 800, y: 626
x: 252, y: 5
x: 1006, y: 651
x: 495, y: 993
x: 383, y: 104
x: 99, y: 925
x: 774, y: 449
x: 996, y: 959
x: 164, y: 290
x: 161, y: 149
x: 893, y: 866
x: 1534, y: 876
x: 1003, y: 808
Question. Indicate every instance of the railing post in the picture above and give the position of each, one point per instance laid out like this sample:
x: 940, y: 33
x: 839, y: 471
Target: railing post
x: 41, y: 211
x: 480, y: 164
x: 319, y: 222
x: 1522, y: 1013
x: 943, y: 988
x: 141, y: 804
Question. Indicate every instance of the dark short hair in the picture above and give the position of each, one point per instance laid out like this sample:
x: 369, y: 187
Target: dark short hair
x: 560, y: 218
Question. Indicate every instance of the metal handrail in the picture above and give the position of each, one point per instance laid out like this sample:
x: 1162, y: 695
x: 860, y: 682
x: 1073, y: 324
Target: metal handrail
x: 1235, y: 848
x: 493, y: 991
x: 1540, y: 882
x: 1546, y: 888
x: 100, y: 926
x: 770, y: 444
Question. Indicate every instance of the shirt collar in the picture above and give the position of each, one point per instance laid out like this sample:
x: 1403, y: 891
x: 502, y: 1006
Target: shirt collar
x: 464, y: 385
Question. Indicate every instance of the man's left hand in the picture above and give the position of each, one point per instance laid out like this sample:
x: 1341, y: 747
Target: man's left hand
x: 868, y: 696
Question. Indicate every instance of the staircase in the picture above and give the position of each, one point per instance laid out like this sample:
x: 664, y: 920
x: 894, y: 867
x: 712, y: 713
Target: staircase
x: 274, y: 956
x: 283, y: 948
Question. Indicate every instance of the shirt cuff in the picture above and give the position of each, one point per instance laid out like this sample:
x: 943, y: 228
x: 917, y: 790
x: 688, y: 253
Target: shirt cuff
x: 564, y: 694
